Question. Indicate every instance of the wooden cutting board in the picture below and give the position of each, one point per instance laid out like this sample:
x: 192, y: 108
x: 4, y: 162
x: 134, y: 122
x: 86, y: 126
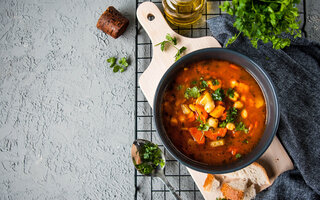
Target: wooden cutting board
x: 275, y: 159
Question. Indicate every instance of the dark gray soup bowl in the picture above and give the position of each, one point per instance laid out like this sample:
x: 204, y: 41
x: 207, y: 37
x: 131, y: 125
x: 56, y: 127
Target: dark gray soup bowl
x: 272, y: 118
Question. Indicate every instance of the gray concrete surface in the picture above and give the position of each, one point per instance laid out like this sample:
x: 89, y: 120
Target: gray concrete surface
x: 66, y: 120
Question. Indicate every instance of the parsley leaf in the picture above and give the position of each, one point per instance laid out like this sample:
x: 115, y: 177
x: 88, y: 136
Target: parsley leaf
x: 151, y: 158
x: 203, y: 126
x: 223, y: 124
x: 230, y: 93
x: 193, y: 82
x: 171, y: 39
x: 231, y: 115
x: 192, y: 92
x: 203, y: 84
x: 241, y: 127
x: 112, y: 61
x: 238, y: 155
x: 215, y: 82
x: 179, y: 87
x: 264, y: 20
x: 218, y: 94
x: 180, y: 51
x: 123, y: 61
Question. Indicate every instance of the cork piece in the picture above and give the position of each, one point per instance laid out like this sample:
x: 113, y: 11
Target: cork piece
x: 112, y: 22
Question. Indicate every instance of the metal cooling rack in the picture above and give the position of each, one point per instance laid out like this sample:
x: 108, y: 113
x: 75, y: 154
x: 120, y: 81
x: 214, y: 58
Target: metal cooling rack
x: 146, y: 187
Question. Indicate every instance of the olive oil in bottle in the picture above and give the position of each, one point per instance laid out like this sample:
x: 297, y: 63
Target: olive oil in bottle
x: 183, y: 12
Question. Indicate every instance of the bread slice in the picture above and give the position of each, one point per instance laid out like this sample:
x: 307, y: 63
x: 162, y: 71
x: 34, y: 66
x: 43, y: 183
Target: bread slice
x: 234, y: 190
x: 249, y: 193
x: 254, y: 172
x: 210, y: 182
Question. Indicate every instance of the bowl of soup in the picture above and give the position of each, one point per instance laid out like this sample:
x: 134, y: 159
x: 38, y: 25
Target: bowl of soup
x: 216, y: 111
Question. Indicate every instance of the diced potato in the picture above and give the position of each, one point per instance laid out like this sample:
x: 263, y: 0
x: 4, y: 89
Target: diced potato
x: 185, y: 109
x: 207, y: 101
x: 243, y: 87
x: 244, y: 114
x: 230, y: 126
x: 217, y: 143
x: 235, y: 97
x: 213, y: 122
x: 191, y: 106
x: 217, y: 111
x: 173, y: 121
x: 238, y: 105
x: 233, y: 83
x: 214, y: 87
x: 259, y: 102
x: 243, y: 98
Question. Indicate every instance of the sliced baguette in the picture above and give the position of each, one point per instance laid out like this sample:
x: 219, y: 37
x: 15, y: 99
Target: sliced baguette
x: 254, y: 172
x: 234, y: 190
x: 249, y: 193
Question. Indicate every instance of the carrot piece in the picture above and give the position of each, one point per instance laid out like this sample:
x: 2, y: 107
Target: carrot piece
x: 224, y: 116
x: 191, y: 117
x: 211, y: 135
x: 197, y: 135
x: 234, y: 66
x: 222, y: 132
x: 233, y: 150
x: 201, y: 112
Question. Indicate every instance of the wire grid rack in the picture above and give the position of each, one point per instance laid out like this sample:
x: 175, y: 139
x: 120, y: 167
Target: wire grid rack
x: 177, y: 174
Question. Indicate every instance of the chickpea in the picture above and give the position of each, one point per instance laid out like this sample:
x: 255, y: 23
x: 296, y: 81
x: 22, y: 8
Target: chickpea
x: 244, y: 114
x: 233, y: 83
x: 238, y: 105
x: 213, y: 122
x: 230, y: 126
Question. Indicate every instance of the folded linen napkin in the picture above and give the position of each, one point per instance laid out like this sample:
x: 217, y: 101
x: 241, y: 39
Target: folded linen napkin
x: 295, y: 72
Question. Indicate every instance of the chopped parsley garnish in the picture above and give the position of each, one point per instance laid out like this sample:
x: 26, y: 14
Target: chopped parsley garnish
x: 193, y: 82
x: 223, y: 124
x: 203, y: 84
x: 215, y: 82
x: 179, y: 87
x: 238, y: 155
x: 218, y: 94
x: 230, y: 93
x: 231, y: 114
x: 245, y: 141
x: 241, y: 127
x: 203, y: 126
x: 122, y: 66
x: 151, y: 157
x: 192, y: 92
x: 231, y: 117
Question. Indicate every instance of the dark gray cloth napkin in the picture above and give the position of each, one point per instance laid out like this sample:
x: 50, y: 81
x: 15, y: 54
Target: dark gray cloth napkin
x: 295, y: 72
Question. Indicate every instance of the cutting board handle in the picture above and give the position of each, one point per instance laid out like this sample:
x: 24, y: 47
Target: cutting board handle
x: 153, y: 22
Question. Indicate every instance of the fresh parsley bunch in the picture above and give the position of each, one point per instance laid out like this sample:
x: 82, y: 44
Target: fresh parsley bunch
x: 151, y: 156
x: 264, y: 20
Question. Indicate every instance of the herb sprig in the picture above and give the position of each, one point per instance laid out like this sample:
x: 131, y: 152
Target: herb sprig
x: 203, y: 126
x: 264, y: 20
x: 173, y: 42
x: 192, y: 92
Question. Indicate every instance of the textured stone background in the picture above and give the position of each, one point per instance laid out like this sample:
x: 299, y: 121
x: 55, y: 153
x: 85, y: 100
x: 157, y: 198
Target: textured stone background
x: 66, y: 121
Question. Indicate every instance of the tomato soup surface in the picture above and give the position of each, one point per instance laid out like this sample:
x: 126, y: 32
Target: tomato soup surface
x: 214, y: 112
